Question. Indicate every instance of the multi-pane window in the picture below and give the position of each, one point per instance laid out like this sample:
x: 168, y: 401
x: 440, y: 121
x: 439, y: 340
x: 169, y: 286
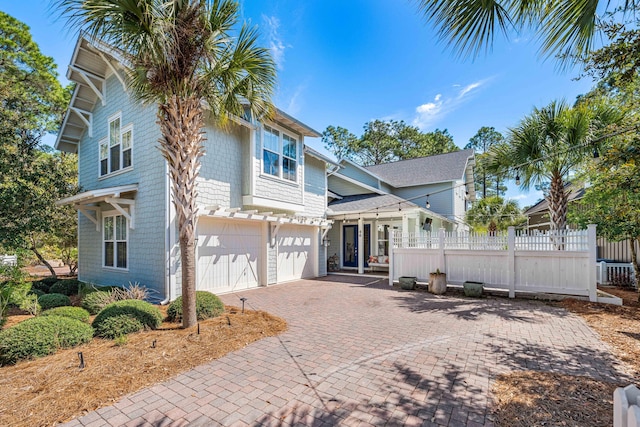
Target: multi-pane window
x: 114, y: 237
x: 271, y: 151
x: 115, y: 151
x: 279, y: 154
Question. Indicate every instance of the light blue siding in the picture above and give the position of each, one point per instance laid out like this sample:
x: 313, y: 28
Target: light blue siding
x: 146, y: 247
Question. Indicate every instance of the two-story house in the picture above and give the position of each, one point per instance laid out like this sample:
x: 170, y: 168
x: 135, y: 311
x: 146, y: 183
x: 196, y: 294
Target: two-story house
x: 415, y: 196
x: 261, y: 192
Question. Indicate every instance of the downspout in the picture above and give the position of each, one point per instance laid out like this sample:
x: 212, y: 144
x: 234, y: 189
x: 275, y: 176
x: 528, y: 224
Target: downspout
x: 167, y: 239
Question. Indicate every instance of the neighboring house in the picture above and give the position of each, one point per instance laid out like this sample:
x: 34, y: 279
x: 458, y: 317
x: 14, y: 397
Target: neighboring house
x: 416, y: 196
x: 262, y: 192
x: 538, y: 220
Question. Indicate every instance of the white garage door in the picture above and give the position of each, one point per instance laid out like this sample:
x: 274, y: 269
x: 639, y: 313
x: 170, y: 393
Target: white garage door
x: 227, y: 255
x: 296, y: 252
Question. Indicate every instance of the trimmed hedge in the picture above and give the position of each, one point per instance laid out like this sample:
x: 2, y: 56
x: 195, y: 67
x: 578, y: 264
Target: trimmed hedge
x: 44, y: 284
x: 117, y: 326
x: 207, y: 305
x: 41, y: 336
x: 71, y: 312
x: 67, y: 287
x: 148, y: 314
x: 53, y: 300
x: 95, y: 301
x: 36, y: 292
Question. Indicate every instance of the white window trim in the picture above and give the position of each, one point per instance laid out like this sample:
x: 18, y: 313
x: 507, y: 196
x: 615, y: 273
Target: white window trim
x: 280, y: 177
x: 123, y: 129
x: 113, y: 214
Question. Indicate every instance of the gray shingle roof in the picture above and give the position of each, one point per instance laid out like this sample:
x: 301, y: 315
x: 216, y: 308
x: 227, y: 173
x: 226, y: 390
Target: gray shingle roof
x: 369, y: 202
x: 543, y: 205
x: 424, y: 170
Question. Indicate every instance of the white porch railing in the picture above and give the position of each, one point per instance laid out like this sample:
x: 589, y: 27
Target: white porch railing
x: 614, y: 272
x: 10, y: 260
x: 561, y: 262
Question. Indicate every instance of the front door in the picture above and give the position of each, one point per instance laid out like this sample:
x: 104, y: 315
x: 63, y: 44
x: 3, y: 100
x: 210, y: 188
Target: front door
x: 350, y: 245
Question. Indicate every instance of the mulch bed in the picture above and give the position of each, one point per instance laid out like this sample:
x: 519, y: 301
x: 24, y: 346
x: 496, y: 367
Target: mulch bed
x: 546, y: 399
x: 53, y: 389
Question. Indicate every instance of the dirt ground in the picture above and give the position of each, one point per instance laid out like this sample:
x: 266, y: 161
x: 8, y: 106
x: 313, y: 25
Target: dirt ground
x: 544, y: 399
x: 54, y: 389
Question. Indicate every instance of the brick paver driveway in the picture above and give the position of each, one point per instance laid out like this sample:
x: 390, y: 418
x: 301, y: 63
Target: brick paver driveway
x: 360, y: 353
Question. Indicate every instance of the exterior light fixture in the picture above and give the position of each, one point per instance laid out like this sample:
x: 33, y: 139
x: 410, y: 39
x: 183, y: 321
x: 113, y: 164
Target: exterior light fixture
x: 517, y: 179
x: 243, y: 299
x: 81, y: 357
x: 428, y: 205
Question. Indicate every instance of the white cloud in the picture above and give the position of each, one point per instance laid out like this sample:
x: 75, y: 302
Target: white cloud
x: 293, y: 106
x: 276, y: 45
x: 519, y: 197
x: 429, y: 113
x: 468, y: 88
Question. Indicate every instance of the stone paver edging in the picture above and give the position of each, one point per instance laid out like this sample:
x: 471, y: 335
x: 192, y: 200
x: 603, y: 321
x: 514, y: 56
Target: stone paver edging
x: 359, y: 353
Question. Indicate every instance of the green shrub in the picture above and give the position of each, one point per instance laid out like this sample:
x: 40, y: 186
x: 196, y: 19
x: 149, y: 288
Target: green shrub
x: 95, y: 301
x: 71, y: 312
x: 207, y: 305
x: 148, y: 314
x: 44, y: 284
x: 67, y: 287
x: 37, y: 292
x: 41, y: 336
x: 117, y: 326
x: 53, y: 300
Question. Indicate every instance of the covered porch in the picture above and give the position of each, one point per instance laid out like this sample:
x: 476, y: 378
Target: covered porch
x: 359, y: 239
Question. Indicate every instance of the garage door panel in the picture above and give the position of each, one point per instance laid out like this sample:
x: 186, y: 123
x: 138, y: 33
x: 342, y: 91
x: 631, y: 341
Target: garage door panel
x: 296, y: 253
x: 227, y: 255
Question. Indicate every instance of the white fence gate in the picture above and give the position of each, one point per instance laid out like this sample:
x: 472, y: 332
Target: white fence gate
x: 561, y: 262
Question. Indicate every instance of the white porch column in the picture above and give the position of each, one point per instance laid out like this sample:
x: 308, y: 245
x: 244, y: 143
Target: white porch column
x: 360, y: 246
x: 593, y: 255
x: 511, y: 250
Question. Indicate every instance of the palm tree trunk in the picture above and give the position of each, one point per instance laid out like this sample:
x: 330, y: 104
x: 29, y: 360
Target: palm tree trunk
x: 181, y: 122
x: 557, y: 206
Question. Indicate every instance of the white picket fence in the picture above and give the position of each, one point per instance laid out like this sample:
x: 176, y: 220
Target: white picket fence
x: 560, y: 262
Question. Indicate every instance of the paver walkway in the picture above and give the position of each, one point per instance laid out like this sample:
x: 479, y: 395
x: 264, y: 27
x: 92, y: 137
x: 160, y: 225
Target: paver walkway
x: 358, y: 352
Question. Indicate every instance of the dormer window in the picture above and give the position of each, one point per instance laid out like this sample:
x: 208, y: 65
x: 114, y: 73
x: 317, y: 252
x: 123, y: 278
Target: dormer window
x: 115, y: 150
x: 279, y: 154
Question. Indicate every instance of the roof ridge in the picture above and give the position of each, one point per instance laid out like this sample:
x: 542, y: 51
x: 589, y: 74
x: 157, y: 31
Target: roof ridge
x: 420, y: 158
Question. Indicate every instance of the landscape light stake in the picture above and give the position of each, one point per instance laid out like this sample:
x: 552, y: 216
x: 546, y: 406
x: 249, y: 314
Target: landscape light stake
x: 243, y: 299
x: 153, y: 344
x: 81, y: 357
x: 198, y: 328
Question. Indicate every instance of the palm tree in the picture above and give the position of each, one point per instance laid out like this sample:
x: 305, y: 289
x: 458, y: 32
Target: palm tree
x: 566, y: 27
x: 183, y: 57
x: 549, y: 144
x: 493, y: 213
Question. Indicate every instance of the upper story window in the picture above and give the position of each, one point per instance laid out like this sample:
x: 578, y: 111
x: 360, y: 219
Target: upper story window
x: 115, y: 151
x: 279, y: 154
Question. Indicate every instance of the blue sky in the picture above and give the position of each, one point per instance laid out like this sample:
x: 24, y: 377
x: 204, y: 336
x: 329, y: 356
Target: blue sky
x: 344, y: 63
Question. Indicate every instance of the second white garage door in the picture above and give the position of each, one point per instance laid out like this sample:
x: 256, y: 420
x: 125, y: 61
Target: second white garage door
x: 296, y: 252
x: 227, y: 255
